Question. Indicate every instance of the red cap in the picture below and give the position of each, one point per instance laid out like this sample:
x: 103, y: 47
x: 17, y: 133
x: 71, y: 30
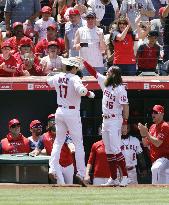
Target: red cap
x: 158, y: 108
x: 74, y: 12
x: 17, y: 24
x: 34, y: 123
x: 46, y: 9
x: 13, y: 122
x: 25, y: 41
x: 6, y: 44
x: 161, y: 10
x: 53, y: 43
x: 53, y: 26
x: 51, y: 116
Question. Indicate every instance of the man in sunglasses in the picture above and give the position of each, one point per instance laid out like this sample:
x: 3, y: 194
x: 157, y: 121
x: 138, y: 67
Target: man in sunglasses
x: 14, y: 142
x: 157, y: 138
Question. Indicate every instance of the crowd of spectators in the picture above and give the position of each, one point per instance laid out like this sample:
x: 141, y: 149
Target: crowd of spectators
x: 35, y: 35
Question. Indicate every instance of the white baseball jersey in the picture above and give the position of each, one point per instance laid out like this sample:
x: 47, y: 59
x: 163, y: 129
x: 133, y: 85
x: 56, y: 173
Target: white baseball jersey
x: 67, y: 87
x: 130, y: 148
x: 113, y: 99
x: 41, y: 27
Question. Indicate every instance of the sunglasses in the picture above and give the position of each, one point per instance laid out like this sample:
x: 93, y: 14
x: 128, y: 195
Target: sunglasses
x: 154, y: 112
x: 15, y: 125
x: 37, y: 127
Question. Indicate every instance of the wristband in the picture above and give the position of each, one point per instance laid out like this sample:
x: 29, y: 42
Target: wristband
x: 125, y: 121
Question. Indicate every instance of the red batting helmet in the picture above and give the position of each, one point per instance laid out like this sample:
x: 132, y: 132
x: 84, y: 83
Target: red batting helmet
x: 13, y: 122
x: 35, y: 123
x: 158, y: 108
x: 51, y: 116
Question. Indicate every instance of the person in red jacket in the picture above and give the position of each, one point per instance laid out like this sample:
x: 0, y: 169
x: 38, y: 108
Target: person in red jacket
x: 98, y: 163
x: 66, y: 159
x: 14, y: 142
x: 42, y: 46
x: 8, y: 63
x: 28, y: 63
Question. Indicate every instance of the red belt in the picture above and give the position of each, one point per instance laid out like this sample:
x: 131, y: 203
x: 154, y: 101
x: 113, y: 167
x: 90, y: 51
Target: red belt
x: 130, y: 168
x: 108, y: 116
x: 70, y: 107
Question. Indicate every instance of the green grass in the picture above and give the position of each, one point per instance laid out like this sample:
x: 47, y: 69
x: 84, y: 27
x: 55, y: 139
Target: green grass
x: 84, y: 196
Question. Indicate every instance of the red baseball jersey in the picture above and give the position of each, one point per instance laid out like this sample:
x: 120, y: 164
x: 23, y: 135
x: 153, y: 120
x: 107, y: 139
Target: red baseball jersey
x: 98, y: 160
x: 11, y: 63
x: 11, y: 145
x: 160, y: 131
x: 47, y: 141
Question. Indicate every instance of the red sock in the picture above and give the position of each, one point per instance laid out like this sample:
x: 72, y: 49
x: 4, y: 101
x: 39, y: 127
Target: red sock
x: 111, y: 158
x: 121, y: 163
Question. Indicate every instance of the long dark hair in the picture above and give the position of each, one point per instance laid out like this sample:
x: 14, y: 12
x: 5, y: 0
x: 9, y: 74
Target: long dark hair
x: 115, y: 79
x: 123, y: 20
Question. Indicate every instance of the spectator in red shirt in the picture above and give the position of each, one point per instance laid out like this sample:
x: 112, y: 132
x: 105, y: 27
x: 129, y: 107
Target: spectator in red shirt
x: 148, y: 54
x: 41, y: 47
x: 98, y: 163
x: 28, y: 63
x: 14, y: 142
x: 123, y: 40
x: 8, y: 64
x: 18, y: 33
x: 157, y: 138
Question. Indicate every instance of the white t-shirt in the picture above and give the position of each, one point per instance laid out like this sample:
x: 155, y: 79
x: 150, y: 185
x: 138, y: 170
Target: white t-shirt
x: 50, y: 64
x: 130, y: 148
x: 41, y: 27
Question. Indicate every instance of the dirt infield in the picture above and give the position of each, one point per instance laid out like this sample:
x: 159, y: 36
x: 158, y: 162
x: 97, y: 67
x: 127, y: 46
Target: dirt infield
x: 30, y: 186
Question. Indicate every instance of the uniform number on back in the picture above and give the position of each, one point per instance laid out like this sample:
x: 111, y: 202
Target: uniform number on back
x: 109, y: 105
x: 63, y: 91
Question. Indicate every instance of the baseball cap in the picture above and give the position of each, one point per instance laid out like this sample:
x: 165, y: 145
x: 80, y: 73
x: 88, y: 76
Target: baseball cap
x: 53, y: 43
x: 90, y: 14
x: 25, y: 41
x: 158, y: 108
x: 6, y: 44
x: 51, y: 117
x: 17, y: 24
x: 35, y: 124
x: 13, y: 122
x: 46, y: 9
x: 52, y: 26
x: 152, y: 33
x: 72, y: 61
x: 161, y: 10
x: 74, y: 12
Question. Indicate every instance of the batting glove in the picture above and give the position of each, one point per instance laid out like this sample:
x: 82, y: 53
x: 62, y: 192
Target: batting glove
x: 92, y: 95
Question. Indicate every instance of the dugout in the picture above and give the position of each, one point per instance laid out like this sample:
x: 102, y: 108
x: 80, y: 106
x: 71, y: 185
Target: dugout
x: 28, y: 98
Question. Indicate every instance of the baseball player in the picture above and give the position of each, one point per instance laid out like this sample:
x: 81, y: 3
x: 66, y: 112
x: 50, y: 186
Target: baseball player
x: 115, y: 110
x: 157, y: 138
x: 69, y: 90
x: 14, y: 142
x: 132, y: 151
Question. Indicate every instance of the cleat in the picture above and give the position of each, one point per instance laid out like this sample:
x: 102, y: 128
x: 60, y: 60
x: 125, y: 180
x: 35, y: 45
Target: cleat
x: 52, y: 178
x: 124, y: 181
x: 111, y: 182
x: 80, y: 180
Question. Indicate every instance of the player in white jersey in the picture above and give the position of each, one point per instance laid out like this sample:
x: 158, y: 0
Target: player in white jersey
x: 69, y: 90
x: 115, y: 110
x: 132, y: 151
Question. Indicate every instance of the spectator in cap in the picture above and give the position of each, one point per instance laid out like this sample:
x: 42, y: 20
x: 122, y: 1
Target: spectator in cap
x: 148, y: 54
x: 165, y: 16
x: 28, y: 63
x: 20, y: 11
x: 42, y: 23
x: 66, y: 160
x: 157, y: 139
x: 89, y: 41
x: 71, y: 27
x: 8, y: 64
x: 14, y: 142
x: 52, y: 35
x: 36, y: 130
x: 52, y: 62
x: 157, y: 24
x: 106, y: 12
